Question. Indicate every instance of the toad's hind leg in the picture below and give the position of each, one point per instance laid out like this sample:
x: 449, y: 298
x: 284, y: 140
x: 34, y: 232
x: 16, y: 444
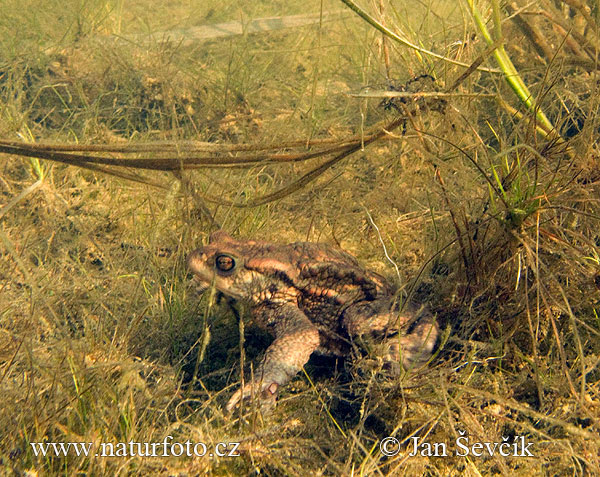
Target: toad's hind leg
x: 409, y: 335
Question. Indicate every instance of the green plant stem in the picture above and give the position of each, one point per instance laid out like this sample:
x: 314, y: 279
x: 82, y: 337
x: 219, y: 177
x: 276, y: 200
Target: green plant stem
x: 510, y: 72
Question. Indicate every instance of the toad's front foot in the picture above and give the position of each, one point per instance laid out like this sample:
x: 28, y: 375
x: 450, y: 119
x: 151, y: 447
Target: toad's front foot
x: 265, y: 391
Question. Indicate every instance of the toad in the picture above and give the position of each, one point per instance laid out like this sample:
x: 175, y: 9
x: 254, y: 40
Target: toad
x: 311, y: 298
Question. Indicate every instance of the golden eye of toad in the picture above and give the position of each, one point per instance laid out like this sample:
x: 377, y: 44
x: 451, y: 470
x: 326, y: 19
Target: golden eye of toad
x: 225, y: 263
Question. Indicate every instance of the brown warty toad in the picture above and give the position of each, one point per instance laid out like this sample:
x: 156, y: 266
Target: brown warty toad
x: 311, y: 298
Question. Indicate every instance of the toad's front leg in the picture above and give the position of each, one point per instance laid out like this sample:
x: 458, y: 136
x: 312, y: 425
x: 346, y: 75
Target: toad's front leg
x: 295, y: 340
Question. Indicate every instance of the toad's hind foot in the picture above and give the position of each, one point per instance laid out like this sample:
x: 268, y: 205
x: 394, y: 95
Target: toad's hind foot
x: 410, y: 334
x: 415, y: 348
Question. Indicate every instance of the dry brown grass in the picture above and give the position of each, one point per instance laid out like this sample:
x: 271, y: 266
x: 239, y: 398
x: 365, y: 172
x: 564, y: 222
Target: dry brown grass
x: 495, y: 225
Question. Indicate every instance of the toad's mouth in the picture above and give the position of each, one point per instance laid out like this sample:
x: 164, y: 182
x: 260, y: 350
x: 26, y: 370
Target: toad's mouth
x: 201, y: 285
x: 206, y: 281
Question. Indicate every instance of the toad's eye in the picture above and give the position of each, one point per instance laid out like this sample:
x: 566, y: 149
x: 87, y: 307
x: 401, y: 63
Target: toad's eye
x: 225, y: 263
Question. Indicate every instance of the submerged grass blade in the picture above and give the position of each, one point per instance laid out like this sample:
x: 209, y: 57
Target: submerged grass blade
x: 390, y: 34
